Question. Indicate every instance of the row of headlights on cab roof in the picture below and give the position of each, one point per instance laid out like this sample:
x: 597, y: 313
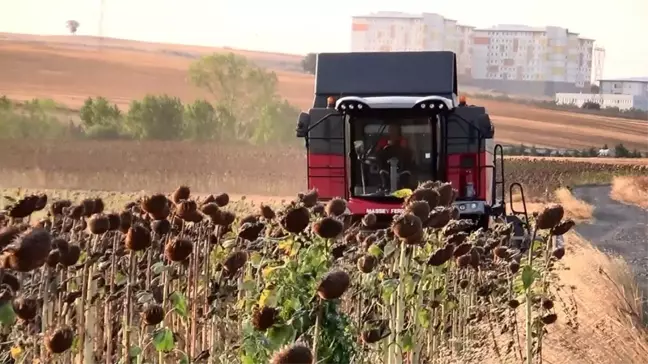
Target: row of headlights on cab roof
x: 330, y: 102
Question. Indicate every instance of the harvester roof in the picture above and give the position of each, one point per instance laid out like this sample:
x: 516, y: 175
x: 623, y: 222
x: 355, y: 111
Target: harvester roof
x: 366, y: 74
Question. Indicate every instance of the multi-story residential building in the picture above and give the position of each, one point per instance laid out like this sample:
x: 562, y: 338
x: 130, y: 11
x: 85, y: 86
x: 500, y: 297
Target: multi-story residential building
x: 507, y: 58
x: 394, y: 31
x: 526, y: 60
x: 464, y: 54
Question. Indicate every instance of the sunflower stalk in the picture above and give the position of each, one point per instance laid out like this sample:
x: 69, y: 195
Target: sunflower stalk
x: 401, y: 307
x: 528, y: 294
x: 126, y: 327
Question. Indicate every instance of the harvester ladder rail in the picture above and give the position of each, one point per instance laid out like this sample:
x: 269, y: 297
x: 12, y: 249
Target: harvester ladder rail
x: 524, y: 207
x: 311, y: 127
x: 498, y: 151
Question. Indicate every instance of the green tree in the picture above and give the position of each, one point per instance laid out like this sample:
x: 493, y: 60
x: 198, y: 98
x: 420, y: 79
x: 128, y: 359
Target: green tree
x: 99, y: 111
x: 275, y: 123
x: 5, y: 103
x: 239, y: 85
x: 233, y: 79
x: 101, y: 119
x: 205, y: 122
x: 620, y: 151
x: 309, y: 63
x: 72, y: 26
x: 156, y: 117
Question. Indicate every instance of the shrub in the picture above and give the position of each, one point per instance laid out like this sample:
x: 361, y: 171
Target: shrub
x: 32, y: 125
x: 99, y: 112
x: 156, y: 118
x: 201, y: 121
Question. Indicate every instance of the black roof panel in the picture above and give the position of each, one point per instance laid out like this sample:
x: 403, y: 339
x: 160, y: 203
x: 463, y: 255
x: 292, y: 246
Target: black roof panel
x: 386, y: 73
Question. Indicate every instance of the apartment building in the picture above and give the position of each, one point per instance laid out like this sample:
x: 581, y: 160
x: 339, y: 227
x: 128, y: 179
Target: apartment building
x: 396, y: 31
x: 507, y: 58
x: 526, y: 60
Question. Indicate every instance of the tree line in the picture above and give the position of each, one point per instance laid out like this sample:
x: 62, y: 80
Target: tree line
x: 244, y: 106
x: 619, y: 151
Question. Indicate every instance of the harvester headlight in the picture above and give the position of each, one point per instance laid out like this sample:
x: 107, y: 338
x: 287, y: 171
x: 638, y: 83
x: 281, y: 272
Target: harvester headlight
x: 423, y: 106
x: 343, y: 107
x: 359, y: 106
x: 473, y: 206
x: 351, y: 107
x: 462, y: 207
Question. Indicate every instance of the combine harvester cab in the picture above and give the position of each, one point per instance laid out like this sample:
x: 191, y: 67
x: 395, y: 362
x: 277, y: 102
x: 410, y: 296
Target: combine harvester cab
x: 363, y: 99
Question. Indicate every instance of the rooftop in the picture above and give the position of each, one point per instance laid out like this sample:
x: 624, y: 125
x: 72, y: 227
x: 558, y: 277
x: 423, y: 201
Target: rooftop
x: 398, y: 14
x: 628, y: 79
x: 513, y: 28
x: 390, y: 14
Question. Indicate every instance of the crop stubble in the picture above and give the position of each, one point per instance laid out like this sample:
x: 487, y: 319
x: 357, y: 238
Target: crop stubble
x: 210, y: 167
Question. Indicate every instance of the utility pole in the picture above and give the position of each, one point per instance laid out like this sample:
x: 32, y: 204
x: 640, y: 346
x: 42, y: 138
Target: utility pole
x: 101, y: 20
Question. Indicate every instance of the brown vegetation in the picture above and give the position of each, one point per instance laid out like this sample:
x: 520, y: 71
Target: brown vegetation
x: 631, y: 190
x: 279, y: 171
x: 69, y: 70
x: 576, y: 209
x: 599, y: 296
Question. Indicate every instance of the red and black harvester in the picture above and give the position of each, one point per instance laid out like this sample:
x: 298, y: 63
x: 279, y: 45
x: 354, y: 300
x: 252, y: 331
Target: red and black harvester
x: 358, y: 95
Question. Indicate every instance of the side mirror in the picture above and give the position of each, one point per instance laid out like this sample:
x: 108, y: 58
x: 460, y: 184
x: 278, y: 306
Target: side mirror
x: 359, y: 147
x: 303, y: 122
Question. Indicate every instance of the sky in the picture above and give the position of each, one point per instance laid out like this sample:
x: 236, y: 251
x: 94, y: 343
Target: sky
x: 289, y: 26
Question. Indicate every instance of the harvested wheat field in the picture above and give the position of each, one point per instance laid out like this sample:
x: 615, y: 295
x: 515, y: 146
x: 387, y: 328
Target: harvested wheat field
x: 69, y: 69
x: 241, y: 169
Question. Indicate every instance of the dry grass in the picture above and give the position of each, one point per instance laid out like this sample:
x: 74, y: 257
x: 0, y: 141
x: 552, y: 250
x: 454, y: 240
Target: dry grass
x: 69, y: 70
x: 631, y: 190
x: 153, y: 166
x: 241, y: 169
x: 575, y: 209
x: 599, y: 309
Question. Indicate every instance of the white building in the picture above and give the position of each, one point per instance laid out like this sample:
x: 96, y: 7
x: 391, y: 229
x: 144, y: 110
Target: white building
x: 395, y: 31
x: 605, y: 100
x: 521, y: 53
x: 513, y: 59
x: 598, y: 61
x: 637, y: 86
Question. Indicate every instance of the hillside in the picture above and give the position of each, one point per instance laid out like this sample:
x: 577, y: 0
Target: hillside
x: 68, y: 69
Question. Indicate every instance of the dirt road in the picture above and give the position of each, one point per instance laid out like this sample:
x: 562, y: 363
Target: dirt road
x: 617, y: 228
